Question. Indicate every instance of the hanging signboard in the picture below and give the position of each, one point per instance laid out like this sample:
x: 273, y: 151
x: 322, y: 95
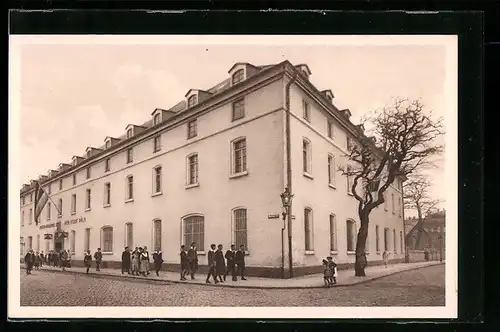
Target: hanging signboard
x: 47, y: 236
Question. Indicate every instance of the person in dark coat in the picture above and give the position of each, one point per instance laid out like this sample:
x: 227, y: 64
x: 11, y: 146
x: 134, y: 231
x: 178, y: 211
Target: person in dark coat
x: 230, y: 255
x: 87, y: 260
x: 192, y: 260
x: 184, y: 263
x: 64, y: 260
x: 211, y: 265
x: 126, y: 261
x: 240, y: 261
x: 29, y: 260
x: 42, y: 258
x: 158, y: 261
x: 220, y: 262
x: 49, y: 258
x: 98, y: 259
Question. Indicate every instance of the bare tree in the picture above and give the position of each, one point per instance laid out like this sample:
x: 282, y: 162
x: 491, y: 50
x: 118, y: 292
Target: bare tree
x: 416, y: 196
x: 403, y: 141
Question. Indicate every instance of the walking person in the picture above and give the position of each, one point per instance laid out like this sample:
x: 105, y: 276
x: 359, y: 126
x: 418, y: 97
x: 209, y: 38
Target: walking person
x: 64, y: 260
x: 135, y: 261
x: 147, y: 260
x: 49, y: 258
x: 126, y: 261
x: 87, y: 260
x: 98, y: 259
x: 240, y: 261
x: 184, y: 263
x: 158, y: 261
x: 42, y: 258
x: 192, y: 260
x: 327, y: 273
x: 211, y: 265
x: 333, y: 267
x: 37, y: 261
x: 29, y: 261
x: 230, y: 256
x: 144, y: 261
x: 385, y: 257
x: 55, y: 257
x: 220, y: 263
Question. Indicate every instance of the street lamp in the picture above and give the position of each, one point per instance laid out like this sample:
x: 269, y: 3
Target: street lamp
x: 286, y: 201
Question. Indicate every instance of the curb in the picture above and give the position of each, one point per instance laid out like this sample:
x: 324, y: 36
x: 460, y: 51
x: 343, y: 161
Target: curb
x: 167, y: 281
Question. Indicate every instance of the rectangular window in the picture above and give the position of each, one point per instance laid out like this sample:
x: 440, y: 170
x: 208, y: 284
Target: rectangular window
x: 38, y: 242
x: 385, y: 201
x: 330, y: 129
x: 157, y: 118
x: 129, y: 235
x: 22, y: 218
x: 306, y: 156
x: 306, y: 111
x: 157, y: 234
x: 86, y: 242
x: 60, y: 202
x: 31, y: 216
x: 240, y: 156
x: 107, y: 193
x: 394, y: 239
x: 194, y: 231
x: 349, y: 180
x: 108, y: 144
x: 400, y: 207
x: 157, y: 180
x: 30, y: 243
x: 23, y: 200
x: 333, y: 233
x: 21, y: 243
x: 386, y: 239
x: 49, y: 208
x: 88, y: 172
x: 157, y: 144
x: 193, y: 169
x: 106, y: 165
x: 401, y: 241
x: 192, y: 128
x: 238, y: 109
x: 107, y: 239
x: 31, y: 198
x: 377, y: 238
x: 73, y: 241
x: 130, y: 187
x: 129, y: 133
x: 331, y: 170
x: 74, y: 179
x: 88, y: 199
x: 240, y: 228
x: 192, y: 100
x: 349, y: 144
x: 130, y: 156
x: 73, y: 204
x: 60, y: 184
x: 393, y: 204
x: 47, y: 246
x: 308, y: 230
x: 49, y: 189
x: 351, y: 234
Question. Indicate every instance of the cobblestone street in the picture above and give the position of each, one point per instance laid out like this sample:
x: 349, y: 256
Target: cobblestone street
x: 420, y: 287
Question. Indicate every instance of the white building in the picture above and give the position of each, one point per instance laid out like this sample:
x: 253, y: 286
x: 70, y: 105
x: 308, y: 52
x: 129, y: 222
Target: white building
x: 211, y: 169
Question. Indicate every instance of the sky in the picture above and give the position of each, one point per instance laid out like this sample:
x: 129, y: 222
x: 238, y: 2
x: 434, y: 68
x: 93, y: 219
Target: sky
x: 74, y: 95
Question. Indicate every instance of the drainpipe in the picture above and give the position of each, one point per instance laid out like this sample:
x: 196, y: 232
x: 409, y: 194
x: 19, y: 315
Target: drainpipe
x: 289, y: 170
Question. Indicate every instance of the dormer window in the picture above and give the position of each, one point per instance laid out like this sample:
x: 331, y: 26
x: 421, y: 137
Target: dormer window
x: 157, y: 119
x: 129, y: 133
x: 108, y: 144
x: 192, y: 100
x: 238, y: 76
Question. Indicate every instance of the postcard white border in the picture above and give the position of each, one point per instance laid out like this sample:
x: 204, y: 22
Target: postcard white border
x: 451, y: 164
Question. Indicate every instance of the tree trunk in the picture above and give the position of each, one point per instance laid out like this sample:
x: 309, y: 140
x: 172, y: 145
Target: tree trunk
x: 361, y: 262
x: 419, y: 227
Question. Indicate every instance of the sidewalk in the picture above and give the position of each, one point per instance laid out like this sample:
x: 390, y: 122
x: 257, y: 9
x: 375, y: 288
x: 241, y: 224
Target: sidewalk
x: 345, y: 278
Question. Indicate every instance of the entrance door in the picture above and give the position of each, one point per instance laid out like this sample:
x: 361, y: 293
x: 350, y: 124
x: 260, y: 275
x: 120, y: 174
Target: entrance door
x: 59, y: 244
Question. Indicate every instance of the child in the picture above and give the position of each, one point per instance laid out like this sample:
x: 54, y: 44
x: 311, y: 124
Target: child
x: 333, y: 267
x: 327, y: 273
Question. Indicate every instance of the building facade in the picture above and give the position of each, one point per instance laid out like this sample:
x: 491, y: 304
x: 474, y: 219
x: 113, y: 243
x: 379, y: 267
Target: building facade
x: 211, y: 169
x: 432, y: 232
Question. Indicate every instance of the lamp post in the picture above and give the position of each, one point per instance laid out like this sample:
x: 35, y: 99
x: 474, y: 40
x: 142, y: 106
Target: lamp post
x: 286, y: 201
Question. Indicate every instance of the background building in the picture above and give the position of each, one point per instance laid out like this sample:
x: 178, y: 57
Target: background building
x: 432, y: 232
x: 211, y: 169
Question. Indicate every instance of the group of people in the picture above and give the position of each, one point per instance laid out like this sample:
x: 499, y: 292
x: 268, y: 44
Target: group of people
x: 137, y: 261
x: 329, y: 271
x: 36, y: 259
x: 217, y: 267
